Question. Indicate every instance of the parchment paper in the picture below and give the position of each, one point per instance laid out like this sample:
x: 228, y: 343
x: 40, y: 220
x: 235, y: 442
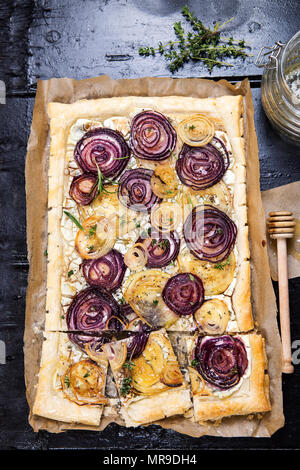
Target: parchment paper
x: 286, y: 198
x: 264, y: 304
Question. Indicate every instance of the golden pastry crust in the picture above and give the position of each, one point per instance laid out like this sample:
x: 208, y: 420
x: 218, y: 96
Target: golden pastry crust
x: 142, y: 409
x: 254, y: 398
x: 55, y: 204
x: 228, y: 109
x: 226, y: 112
x: 50, y: 401
x: 148, y: 410
x: 241, y: 298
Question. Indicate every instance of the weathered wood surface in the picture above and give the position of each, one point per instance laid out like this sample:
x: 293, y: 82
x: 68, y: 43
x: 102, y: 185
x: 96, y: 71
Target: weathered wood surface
x: 42, y: 39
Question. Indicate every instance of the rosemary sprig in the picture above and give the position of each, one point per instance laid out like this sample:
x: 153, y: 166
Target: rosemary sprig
x: 202, y: 44
x: 100, y: 185
x: 101, y: 180
x: 74, y: 220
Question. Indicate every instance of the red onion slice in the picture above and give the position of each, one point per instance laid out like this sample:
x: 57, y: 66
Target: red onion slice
x: 209, y: 233
x: 202, y: 167
x: 184, y: 293
x: 127, y: 313
x: 222, y: 361
x: 152, y: 136
x: 105, y: 147
x: 136, y: 344
x: 162, y: 248
x: 90, y: 311
x: 135, y: 190
x: 106, y: 272
x: 83, y: 189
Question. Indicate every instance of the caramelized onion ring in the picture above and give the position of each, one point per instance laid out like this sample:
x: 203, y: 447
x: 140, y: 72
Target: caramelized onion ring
x: 164, y: 181
x: 212, y: 317
x: 83, y: 383
x: 143, y: 291
x: 196, y: 130
x: 216, y: 278
x: 116, y: 354
x: 145, y: 380
x: 97, y: 238
x: 95, y: 352
x: 136, y: 257
x: 166, y: 216
x: 171, y: 375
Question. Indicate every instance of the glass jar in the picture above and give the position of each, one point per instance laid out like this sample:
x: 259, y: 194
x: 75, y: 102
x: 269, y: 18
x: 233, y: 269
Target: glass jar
x: 280, y: 87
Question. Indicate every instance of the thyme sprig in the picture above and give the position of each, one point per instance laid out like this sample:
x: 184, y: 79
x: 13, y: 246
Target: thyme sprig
x: 126, y: 386
x: 202, y: 44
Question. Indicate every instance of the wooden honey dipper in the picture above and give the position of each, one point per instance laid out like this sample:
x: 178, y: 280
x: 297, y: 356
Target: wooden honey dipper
x: 281, y: 225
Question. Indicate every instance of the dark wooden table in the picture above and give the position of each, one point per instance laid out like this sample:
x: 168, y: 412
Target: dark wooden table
x: 85, y: 38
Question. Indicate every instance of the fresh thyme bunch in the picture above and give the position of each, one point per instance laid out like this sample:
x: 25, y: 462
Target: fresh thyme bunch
x: 203, y: 44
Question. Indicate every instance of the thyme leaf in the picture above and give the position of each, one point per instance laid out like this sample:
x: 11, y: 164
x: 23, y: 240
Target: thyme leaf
x: 194, y: 362
x: 222, y: 265
x: 129, y: 365
x: 92, y: 230
x: 67, y: 381
x: 126, y: 386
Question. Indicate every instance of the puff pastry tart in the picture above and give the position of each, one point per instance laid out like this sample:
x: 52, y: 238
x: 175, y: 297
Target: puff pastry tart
x: 148, y: 378
x: 147, y: 223
x: 71, y: 385
x: 228, y: 376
